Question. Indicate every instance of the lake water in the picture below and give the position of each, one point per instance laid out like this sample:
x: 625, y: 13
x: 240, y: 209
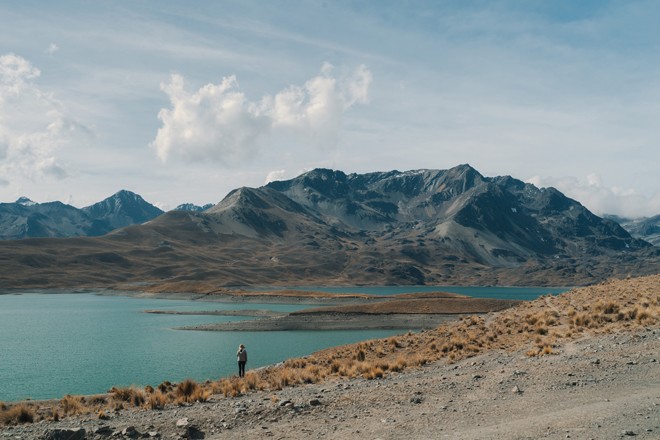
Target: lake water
x: 519, y: 293
x: 57, y: 344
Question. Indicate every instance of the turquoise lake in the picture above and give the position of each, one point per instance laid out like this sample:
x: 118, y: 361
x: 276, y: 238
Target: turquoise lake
x: 58, y: 343
x: 520, y: 293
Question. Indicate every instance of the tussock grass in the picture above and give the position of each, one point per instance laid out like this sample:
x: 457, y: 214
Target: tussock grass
x: 73, y: 405
x: 17, y: 414
x: 131, y: 395
x: 186, y: 390
x: 157, y: 400
x: 537, y: 328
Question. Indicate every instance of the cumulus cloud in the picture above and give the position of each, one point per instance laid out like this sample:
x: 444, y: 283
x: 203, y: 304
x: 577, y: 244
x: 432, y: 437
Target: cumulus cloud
x: 275, y: 175
x: 602, y: 199
x: 14, y: 71
x: 33, y: 124
x: 216, y: 123
x: 219, y: 123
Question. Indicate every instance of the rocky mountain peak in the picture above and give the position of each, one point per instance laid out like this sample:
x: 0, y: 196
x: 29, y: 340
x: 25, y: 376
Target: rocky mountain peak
x: 25, y: 201
x: 27, y: 219
x: 323, y: 183
x: 191, y: 207
x: 122, y: 209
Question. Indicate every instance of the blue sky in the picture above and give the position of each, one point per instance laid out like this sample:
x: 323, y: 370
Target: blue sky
x: 184, y: 101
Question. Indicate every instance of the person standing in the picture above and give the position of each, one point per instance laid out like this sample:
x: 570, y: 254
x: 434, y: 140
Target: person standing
x: 241, y: 356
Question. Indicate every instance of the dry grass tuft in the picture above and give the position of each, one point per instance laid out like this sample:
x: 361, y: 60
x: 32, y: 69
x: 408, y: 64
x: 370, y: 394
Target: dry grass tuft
x: 131, y: 395
x: 187, y: 391
x: 157, y: 400
x: 72, y: 405
x: 17, y: 414
x: 228, y: 387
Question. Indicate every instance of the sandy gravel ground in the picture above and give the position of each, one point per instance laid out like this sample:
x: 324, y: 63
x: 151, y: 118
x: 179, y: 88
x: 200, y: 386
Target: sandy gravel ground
x: 597, y: 387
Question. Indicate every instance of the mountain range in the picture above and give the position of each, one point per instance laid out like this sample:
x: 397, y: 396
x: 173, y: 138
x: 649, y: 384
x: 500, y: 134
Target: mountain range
x: 439, y: 227
x: 27, y: 219
x: 646, y: 228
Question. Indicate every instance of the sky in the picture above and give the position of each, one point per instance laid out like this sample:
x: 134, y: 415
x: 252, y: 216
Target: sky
x: 181, y: 102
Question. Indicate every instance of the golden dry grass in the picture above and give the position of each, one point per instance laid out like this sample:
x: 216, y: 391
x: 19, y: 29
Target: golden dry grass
x: 72, y: 405
x: 538, y: 328
x: 17, y: 414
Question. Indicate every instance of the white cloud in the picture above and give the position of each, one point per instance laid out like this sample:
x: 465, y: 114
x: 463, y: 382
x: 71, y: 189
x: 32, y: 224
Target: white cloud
x: 218, y: 123
x: 14, y: 71
x: 275, y: 175
x: 34, y: 125
x: 215, y: 123
x: 601, y: 199
x: 50, y: 167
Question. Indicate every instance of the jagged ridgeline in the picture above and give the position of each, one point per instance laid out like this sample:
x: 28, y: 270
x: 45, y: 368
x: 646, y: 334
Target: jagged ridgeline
x: 27, y: 219
x: 326, y: 227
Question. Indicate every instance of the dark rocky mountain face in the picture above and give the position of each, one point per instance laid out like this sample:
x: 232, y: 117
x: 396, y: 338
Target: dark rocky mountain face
x: 54, y: 219
x: 192, y: 207
x: 645, y: 228
x: 122, y: 209
x: 326, y: 227
x: 27, y: 219
x: 497, y: 218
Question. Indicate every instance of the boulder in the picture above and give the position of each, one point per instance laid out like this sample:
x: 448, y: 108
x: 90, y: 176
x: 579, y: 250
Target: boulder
x: 65, y: 434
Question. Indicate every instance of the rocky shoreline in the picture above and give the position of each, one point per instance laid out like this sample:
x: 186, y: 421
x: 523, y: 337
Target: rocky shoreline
x: 252, y: 313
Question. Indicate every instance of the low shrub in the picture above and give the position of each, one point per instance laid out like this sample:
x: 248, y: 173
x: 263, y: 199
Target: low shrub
x: 72, y: 405
x: 157, y: 400
x: 132, y: 395
x: 165, y: 387
x: 17, y: 414
x: 187, y: 390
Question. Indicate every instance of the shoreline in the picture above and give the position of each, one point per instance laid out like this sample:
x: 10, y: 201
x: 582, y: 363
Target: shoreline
x: 251, y: 313
x: 331, y: 321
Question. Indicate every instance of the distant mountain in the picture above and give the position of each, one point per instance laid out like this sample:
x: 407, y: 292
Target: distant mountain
x: 646, y: 228
x: 326, y: 227
x: 122, y: 209
x: 192, y: 207
x: 25, y: 201
x: 27, y: 219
